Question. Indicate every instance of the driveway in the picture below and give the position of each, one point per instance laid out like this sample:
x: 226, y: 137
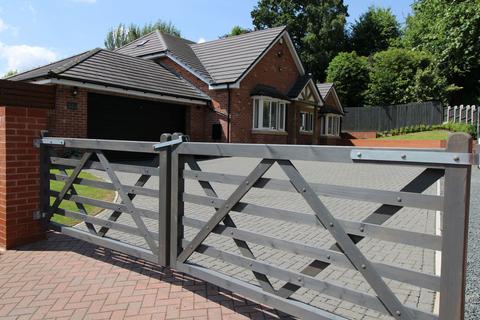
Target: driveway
x: 368, y: 176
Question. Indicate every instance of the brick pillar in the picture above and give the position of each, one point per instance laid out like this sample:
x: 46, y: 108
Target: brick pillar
x: 19, y: 175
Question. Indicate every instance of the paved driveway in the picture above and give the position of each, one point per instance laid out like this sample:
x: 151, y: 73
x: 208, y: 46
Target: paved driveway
x: 383, y: 177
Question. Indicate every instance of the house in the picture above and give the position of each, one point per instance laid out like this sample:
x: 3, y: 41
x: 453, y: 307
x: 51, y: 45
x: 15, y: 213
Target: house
x: 250, y: 88
x: 331, y: 114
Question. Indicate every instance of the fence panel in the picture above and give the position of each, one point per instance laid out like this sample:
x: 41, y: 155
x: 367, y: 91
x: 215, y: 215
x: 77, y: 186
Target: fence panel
x: 392, y: 117
x: 461, y: 113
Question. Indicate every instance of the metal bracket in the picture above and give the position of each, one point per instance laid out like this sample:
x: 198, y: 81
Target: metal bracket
x: 445, y: 158
x: 163, y: 145
x: 39, y: 215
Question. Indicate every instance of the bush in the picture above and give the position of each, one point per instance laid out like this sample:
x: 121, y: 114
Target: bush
x: 450, y: 126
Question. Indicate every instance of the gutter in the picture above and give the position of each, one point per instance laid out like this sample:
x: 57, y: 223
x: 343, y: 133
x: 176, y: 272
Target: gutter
x: 114, y: 89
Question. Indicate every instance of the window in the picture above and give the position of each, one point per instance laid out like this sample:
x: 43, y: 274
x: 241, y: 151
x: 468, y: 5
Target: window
x: 268, y: 114
x: 306, y: 121
x: 330, y: 125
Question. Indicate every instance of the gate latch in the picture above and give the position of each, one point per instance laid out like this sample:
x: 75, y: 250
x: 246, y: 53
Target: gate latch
x: 163, y: 145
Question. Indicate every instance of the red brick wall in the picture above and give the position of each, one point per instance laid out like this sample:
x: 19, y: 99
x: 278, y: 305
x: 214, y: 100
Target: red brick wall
x: 201, y: 119
x: 19, y: 174
x: 63, y: 122
x: 273, y: 70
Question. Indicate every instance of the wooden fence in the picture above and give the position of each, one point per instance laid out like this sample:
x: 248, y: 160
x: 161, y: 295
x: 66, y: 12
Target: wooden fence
x: 392, y: 117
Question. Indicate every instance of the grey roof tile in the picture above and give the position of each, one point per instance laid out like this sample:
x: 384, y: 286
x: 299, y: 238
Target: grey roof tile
x: 44, y: 70
x: 324, y: 88
x: 226, y: 60
x: 114, y: 69
x: 218, y: 61
x: 148, y: 44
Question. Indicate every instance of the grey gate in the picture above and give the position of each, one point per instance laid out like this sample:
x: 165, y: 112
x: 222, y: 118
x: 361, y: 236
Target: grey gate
x: 195, y: 251
x: 121, y: 226
x: 171, y: 236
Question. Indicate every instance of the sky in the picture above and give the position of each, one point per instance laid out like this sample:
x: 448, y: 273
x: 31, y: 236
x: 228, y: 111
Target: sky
x: 36, y: 32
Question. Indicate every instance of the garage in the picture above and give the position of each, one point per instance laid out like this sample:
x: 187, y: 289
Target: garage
x: 121, y: 118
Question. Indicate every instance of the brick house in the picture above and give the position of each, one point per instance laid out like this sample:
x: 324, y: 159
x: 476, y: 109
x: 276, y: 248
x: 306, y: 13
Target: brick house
x: 250, y: 88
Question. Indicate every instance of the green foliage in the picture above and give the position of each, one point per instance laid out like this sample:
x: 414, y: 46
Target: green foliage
x: 374, y: 31
x: 121, y: 34
x: 450, y: 31
x: 236, y: 31
x: 317, y: 28
x: 9, y: 74
x: 449, y: 126
x: 401, y: 76
x: 349, y: 73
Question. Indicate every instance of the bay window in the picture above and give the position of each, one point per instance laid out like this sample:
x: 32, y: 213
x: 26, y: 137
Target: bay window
x: 269, y: 114
x: 330, y: 125
x: 306, y: 121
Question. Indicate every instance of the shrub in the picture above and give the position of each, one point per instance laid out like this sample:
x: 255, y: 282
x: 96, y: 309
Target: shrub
x: 449, y: 126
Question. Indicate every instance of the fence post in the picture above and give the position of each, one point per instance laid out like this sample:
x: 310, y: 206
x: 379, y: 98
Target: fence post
x: 44, y: 178
x: 176, y: 203
x: 164, y: 202
x: 455, y: 231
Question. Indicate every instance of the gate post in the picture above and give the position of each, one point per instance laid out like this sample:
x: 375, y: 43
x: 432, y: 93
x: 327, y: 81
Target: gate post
x: 165, y: 162
x: 19, y: 175
x: 455, y: 231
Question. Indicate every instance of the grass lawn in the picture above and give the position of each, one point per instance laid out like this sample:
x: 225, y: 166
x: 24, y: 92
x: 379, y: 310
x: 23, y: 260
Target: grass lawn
x: 424, y: 135
x: 86, y: 191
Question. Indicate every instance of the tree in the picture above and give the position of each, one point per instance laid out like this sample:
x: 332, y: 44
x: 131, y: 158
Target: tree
x: 236, y: 31
x: 402, y: 75
x: 317, y: 28
x: 121, y: 34
x: 349, y: 73
x: 450, y: 31
x: 374, y: 31
x: 10, y: 73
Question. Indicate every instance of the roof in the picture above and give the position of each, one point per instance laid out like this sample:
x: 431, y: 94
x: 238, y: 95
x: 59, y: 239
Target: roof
x: 216, y: 62
x: 43, y: 70
x: 328, y: 88
x: 324, y: 88
x: 264, y: 90
x: 158, y: 42
x: 299, y: 85
x: 226, y: 60
x: 99, y: 66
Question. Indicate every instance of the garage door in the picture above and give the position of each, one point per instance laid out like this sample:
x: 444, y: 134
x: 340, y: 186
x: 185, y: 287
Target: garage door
x: 119, y: 118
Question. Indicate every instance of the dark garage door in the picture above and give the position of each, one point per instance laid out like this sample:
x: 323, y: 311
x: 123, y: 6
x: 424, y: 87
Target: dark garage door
x: 119, y: 118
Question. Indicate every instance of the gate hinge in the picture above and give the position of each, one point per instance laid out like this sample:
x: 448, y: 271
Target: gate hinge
x: 39, y: 215
x: 163, y: 145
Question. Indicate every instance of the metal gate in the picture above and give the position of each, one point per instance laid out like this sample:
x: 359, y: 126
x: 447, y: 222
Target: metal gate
x: 183, y: 242
x: 143, y: 233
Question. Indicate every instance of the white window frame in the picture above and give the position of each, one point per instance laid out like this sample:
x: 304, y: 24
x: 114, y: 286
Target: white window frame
x: 280, y: 114
x: 306, y: 118
x: 330, y: 125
